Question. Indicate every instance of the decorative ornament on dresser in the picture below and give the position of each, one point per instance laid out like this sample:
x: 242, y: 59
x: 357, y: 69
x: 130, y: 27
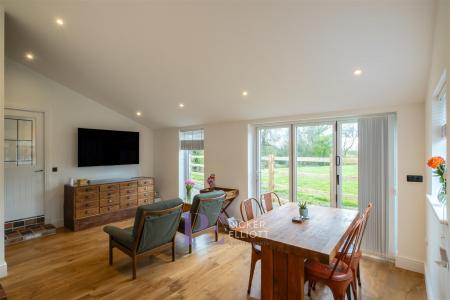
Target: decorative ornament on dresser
x: 189, y: 184
x: 437, y: 163
x: 212, y: 181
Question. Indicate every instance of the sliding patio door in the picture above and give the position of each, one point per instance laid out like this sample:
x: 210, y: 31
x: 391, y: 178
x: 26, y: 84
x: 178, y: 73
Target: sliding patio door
x: 324, y: 168
x: 274, y: 161
x: 315, y: 172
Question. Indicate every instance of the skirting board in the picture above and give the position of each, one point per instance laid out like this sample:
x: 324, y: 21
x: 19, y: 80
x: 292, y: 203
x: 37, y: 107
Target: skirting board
x: 3, y: 269
x: 409, y: 264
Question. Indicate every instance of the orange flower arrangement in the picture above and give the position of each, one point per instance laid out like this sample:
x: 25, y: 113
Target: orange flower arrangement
x: 435, y: 162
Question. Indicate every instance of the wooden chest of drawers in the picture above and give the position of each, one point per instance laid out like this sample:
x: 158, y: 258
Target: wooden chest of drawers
x: 103, y: 201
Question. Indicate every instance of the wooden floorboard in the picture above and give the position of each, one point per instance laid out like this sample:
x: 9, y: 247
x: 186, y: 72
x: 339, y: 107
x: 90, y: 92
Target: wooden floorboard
x: 74, y: 265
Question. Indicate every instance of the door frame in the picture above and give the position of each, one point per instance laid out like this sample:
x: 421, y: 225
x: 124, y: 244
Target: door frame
x: 45, y: 120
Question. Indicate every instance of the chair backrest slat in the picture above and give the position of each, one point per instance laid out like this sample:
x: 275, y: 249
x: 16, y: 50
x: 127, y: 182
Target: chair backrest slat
x: 365, y: 218
x: 350, y: 242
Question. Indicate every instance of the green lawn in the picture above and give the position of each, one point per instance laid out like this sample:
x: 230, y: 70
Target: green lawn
x: 313, y: 184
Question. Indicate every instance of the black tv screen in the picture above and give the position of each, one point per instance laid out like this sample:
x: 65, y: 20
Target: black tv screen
x: 107, y: 147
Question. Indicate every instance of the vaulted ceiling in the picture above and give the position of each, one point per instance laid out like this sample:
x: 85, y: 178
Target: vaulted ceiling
x: 293, y: 57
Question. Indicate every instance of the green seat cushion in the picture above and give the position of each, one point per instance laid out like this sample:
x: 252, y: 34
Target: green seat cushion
x: 122, y: 236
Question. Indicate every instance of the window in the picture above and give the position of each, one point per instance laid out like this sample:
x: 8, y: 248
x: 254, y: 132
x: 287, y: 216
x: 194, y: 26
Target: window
x: 439, y: 131
x: 192, y: 161
x: 19, y: 142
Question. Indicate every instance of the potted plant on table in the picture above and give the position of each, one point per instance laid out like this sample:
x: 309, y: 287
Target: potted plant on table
x: 303, y: 209
x: 437, y: 163
x: 189, y: 184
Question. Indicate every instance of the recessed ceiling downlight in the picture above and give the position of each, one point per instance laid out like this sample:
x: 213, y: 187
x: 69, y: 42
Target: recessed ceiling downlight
x: 357, y: 72
x: 244, y: 93
x: 29, y: 56
x: 59, y: 21
x: 138, y: 113
x: 181, y: 105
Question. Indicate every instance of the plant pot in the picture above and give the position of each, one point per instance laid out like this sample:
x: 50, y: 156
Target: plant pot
x: 304, y: 212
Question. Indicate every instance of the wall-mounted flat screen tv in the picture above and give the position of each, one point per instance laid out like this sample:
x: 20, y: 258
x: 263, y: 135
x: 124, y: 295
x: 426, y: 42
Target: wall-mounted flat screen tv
x: 98, y: 147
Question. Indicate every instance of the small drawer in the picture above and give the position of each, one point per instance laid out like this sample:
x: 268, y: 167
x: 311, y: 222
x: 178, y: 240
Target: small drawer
x: 87, y: 204
x: 144, y: 195
x: 128, y: 191
x: 142, y: 189
x: 109, y: 187
x: 107, y: 209
x: 145, y: 201
x: 128, y: 184
x: 127, y: 204
x: 107, y: 194
x: 83, y: 213
x: 86, y: 189
x: 145, y: 182
x: 86, y: 197
x: 128, y: 198
x: 111, y: 200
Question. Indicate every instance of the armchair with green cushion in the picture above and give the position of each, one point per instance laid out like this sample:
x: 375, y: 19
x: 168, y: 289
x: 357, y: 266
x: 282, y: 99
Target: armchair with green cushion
x: 203, y: 215
x: 154, y: 229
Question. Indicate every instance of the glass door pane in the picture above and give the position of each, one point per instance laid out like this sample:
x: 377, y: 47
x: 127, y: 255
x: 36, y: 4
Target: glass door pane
x: 314, y: 164
x: 348, y: 168
x: 274, y: 161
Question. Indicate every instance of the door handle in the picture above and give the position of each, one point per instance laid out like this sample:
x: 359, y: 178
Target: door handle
x: 38, y: 171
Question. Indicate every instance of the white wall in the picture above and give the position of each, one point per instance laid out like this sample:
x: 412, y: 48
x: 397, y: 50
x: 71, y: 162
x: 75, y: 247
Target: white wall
x: 437, y: 277
x: 65, y: 111
x: 228, y: 154
x: 3, y: 268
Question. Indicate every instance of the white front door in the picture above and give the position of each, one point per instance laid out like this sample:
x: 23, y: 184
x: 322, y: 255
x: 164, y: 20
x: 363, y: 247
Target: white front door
x: 24, y: 164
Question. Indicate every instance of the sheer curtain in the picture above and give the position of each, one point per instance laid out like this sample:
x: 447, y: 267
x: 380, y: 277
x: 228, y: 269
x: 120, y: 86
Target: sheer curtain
x: 377, y: 180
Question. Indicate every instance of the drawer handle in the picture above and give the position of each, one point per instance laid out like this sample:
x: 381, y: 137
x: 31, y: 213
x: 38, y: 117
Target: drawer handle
x: 86, y: 205
x: 109, y: 208
x: 109, y: 200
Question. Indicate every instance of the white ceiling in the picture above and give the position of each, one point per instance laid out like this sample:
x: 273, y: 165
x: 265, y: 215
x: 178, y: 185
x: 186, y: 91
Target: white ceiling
x: 293, y: 57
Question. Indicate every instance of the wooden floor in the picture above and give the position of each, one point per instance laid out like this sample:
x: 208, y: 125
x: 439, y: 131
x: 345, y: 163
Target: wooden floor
x: 72, y: 265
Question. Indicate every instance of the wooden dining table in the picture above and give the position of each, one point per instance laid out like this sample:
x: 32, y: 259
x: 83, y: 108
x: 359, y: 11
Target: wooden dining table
x: 285, y: 245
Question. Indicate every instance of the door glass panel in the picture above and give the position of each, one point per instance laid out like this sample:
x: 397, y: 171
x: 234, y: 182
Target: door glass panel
x: 349, y: 162
x: 25, y: 130
x: 314, y: 163
x: 274, y: 161
x: 10, y: 152
x: 10, y: 129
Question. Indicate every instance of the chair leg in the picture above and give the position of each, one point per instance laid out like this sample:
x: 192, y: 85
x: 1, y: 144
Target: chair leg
x: 252, y: 270
x: 134, y: 267
x: 358, y: 275
x: 216, y: 232
x: 190, y: 244
x: 173, y: 249
x: 349, y: 293
x: 310, y: 284
x: 354, y: 290
x: 110, y: 252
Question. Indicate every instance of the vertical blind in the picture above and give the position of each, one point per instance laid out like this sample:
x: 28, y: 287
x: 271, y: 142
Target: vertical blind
x: 375, y: 168
x: 192, y: 140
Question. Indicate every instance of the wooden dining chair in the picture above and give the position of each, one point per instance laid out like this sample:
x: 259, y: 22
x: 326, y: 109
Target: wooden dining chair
x: 248, y: 206
x: 267, y: 201
x: 354, y: 264
x: 338, y: 275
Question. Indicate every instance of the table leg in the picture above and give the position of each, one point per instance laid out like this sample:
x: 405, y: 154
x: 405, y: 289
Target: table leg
x: 282, y: 275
